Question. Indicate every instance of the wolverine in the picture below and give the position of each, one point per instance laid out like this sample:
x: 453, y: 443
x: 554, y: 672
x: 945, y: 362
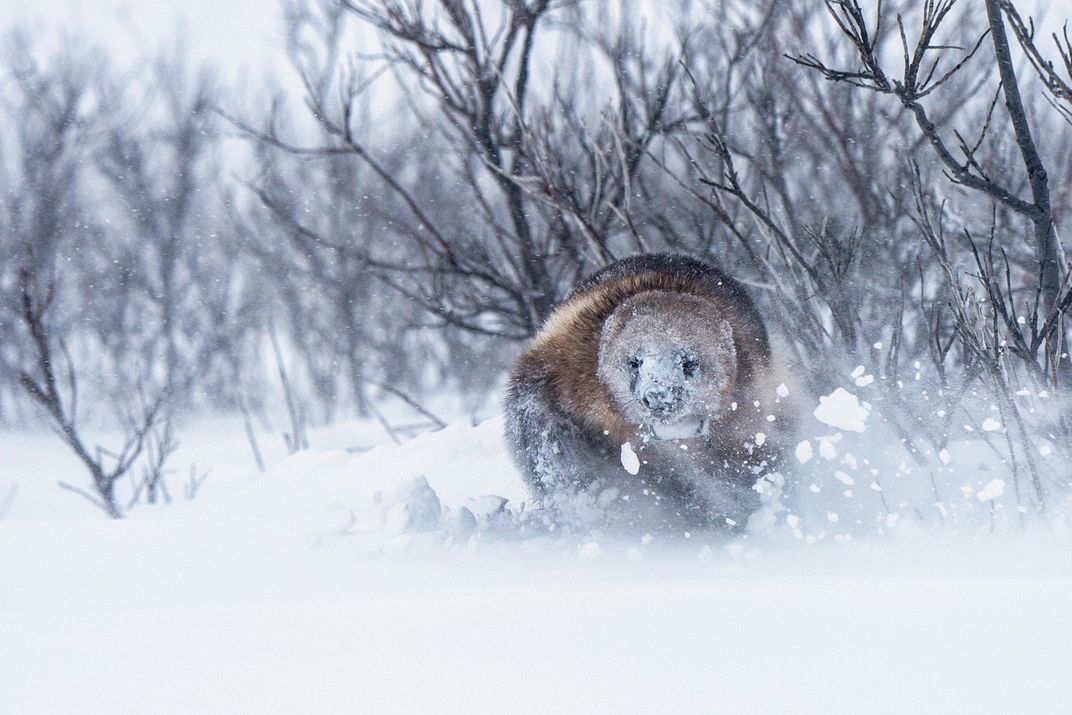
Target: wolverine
x: 649, y: 397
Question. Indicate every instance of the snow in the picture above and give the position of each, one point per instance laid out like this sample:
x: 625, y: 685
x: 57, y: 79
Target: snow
x: 683, y: 429
x: 630, y: 460
x: 611, y: 638
x: 991, y: 425
x: 398, y: 579
x: 844, y: 478
x: 843, y: 410
x: 590, y: 550
x: 803, y: 452
x: 993, y: 489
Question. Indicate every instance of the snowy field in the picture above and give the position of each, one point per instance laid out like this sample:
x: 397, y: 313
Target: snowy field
x: 332, y: 583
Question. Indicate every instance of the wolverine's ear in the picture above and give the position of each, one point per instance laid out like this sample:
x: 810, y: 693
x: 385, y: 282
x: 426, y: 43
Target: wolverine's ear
x: 612, y: 327
x: 717, y: 345
x: 724, y: 333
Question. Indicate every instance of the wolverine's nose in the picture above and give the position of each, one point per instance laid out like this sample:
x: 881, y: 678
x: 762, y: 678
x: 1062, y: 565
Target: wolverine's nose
x: 660, y: 399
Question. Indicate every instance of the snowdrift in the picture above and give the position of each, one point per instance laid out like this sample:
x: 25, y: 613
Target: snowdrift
x: 404, y: 578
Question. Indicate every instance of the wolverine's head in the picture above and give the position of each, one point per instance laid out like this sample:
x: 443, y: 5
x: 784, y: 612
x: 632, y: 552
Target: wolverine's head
x: 669, y: 362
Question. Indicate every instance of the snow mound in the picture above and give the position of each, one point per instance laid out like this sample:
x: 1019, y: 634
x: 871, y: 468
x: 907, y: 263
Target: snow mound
x: 403, y: 489
x: 409, y: 577
x: 458, y: 488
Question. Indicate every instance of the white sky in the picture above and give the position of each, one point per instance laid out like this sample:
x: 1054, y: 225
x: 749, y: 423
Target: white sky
x: 241, y: 36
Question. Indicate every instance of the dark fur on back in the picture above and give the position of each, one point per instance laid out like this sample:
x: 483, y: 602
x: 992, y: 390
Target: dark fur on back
x: 562, y: 424
x: 687, y: 269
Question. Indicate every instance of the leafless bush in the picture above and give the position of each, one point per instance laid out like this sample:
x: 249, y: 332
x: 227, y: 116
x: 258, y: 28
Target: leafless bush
x: 43, y: 386
x: 1008, y: 322
x: 96, y: 304
x: 160, y: 445
x: 60, y: 109
x: 156, y: 156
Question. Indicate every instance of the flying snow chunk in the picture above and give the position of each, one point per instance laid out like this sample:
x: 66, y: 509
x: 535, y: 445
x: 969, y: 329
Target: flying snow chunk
x: 782, y: 390
x: 943, y: 455
x: 991, y: 425
x: 591, y: 550
x: 804, y: 452
x: 630, y: 460
x: 760, y: 439
x: 843, y: 410
x: 994, y: 489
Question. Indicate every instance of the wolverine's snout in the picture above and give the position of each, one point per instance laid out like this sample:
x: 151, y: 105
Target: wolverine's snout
x: 662, y: 400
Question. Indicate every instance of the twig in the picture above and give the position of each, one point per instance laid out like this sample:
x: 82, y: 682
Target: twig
x: 95, y: 501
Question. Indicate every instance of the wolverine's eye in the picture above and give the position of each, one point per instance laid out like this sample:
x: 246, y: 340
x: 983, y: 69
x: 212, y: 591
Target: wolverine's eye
x: 689, y: 365
x: 634, y: 363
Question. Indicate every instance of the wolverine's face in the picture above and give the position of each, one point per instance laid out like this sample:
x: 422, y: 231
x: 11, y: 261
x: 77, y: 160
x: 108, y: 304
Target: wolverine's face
x: 661, y: 380
x: 668, y: 362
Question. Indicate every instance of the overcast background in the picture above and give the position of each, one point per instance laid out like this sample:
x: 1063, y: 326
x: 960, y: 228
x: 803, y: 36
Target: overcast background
x: 241, y: 36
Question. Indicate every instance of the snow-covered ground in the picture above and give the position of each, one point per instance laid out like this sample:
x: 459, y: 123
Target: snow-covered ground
x: 353, y: 581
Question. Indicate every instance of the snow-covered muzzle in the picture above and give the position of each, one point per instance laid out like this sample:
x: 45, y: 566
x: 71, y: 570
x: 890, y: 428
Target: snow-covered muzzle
x: 661, y: 383
x: 667, y: 364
